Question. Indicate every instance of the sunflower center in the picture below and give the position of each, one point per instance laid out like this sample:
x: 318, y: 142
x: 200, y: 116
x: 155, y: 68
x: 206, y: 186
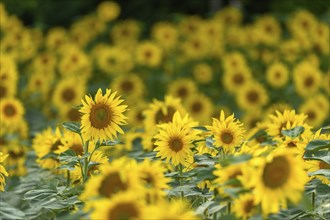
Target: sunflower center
x: 176, y: 144
x: 148, y: 178
x: 248, y: 206
x: 55, y: 145
x: 3, y: 91
x: 197, y: 107
x: 112, y: 184
x: 78, y: 148
x: 164, y: 118
x: 227, y: 137
x: 127, y: 86
x: 124, y: 211
x: 276, y: 173
x: 15, y: 155
x: 277, y: 75
x: 100, y: 116
x: 139, y: 116
x: 253, y: 96
x: 68, y: 94
x: 311, y: 115
x: 182, y: 92
x: 309, y: 81
x: 291, y: 144
x: 238, y: 79
x: 10, y: 110
x: 147, y: 54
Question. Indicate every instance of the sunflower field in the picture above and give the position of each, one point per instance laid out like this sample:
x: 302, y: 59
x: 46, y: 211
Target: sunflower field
x: 191, y: 118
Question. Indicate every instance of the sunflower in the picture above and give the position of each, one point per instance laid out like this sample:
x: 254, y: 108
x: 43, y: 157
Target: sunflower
x: 160, y: 112
x: 68, y: 92
x: 229, y: 16
x: 234, y: 80
x: 182, y: 88
x: 115, y: 178
x: 126, y: 33
x: 39, y: 84
x: 153, y: 179
x: 15, y: 163
x: 124, y: 206
x: 200, y: 107
x: 307, y: 79
x: 8, y: 76
x: 130, y: 86
x: 108, y: 11
x: 269, y: 30
x: 276, y: 178
x: 195, y: 47
x: 226, y: 132
x: 234, y: 61
x: 314, y: 165
x: 70, y: 114
x: 226, y: 177
x: 11, y: 114
x: 174, y: 139
x: 165, y: 34
x: 56, y: 37
x: 286, y: 120
x: 130, y: 140
x: 3, y: 171
x: 252, y: 96
x: 148, y: 54
x: 315, y: 115
x: 245, y: 206
x: 102, y: 116
x: 135, y: 116
x: 203, y: 73
x: 277, y: 75
x: 174, y: 209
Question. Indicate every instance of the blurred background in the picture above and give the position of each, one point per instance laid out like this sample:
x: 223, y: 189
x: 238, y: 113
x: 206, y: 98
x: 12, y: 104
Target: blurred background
x: 49, y: 13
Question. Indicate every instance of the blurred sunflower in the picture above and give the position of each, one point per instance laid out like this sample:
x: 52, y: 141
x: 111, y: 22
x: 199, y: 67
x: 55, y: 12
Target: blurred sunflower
x: 276, y: 178
x: 130, y: 86
x: 135, y: 116
x: 200, y: 107
x: 245, y: 206
x: 234, y: 80
x: 126, y: 33
x: 122, y: 206
x: 226, y: 132
x: 68, y: 92
x: 165, y: 34
x: 102, y: 117
x: 3, y: 171
x: 15, y: 163
x: 174, y: 139
x: 8, y: 76
x: 11, y: 114
x: 203, y: 73
x: 277, y: 75
x: 307, y: 79
x: 108, y: 11
x: 161, y: 112
x: 315, y: 115
x: 182, y: 88
x: 148, y: 54
x: 252, y: 96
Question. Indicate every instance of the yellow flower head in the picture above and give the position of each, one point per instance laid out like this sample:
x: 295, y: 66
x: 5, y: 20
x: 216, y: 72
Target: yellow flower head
x: 102, y: 117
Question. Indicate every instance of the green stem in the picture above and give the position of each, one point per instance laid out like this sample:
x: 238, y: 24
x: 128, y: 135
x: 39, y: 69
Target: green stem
x: 229, y: 207
x: 313, y: 201
x: 180, y: 171
x: 67, y: 178
x: 85, y: 168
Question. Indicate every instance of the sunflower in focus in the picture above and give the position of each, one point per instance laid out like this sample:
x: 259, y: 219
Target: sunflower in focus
x: 101, y: 118
x: 226, y: 132
x: 278, y: 177
x: 245, y: 206
x: 277, y: 75
x: 174, y: 139
x: 3, y: 171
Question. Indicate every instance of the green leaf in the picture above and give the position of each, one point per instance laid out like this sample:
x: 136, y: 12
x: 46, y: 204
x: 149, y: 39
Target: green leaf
x: 111, y: 143
x: 9, y: 212
x: 294, y: 132
x: 322, y: 172
x: 317, y: 145
x: 78, y: 106
x: 318, y: 155
x: 202, y: 128
x: 325, y: 130
x: 72, y: 126
x: 323, y: 189
x: 37, y: 194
